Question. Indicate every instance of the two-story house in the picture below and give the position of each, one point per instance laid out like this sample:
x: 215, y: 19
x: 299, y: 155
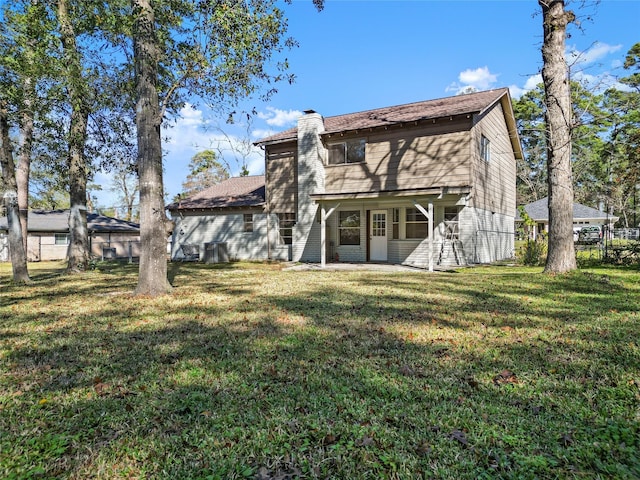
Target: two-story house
x: 427, y: 183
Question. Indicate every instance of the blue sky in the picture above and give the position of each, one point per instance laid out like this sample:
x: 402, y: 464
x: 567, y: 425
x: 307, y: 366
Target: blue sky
x: 359, y: 55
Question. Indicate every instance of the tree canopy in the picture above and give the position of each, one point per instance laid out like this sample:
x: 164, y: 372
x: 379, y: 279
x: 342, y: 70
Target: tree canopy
x: 205, y: 170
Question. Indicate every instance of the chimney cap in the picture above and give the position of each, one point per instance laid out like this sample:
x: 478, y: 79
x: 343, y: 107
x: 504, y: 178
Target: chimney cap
x: 308, y: 112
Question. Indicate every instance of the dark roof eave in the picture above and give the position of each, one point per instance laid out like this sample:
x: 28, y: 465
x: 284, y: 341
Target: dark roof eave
x: 398, y: 124
x: 201, y: 208
x: 462, y: 190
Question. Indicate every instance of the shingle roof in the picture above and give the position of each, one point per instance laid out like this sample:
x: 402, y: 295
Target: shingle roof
x: 539, y: 211
x: 58, y: 221
x: 425, y: 110
x: 234, y: 192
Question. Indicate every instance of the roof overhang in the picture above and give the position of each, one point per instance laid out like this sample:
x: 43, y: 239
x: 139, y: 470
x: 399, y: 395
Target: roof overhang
x: 512, y: 127
x: 414, y: 192
x: 217, y: 209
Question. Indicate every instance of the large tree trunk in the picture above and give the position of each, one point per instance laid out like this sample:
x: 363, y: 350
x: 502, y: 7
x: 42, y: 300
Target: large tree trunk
x: 558, y: 117
x: 152, y: 279
x: 9, y: 196
x: 79, y: 242
x: 24, y: 163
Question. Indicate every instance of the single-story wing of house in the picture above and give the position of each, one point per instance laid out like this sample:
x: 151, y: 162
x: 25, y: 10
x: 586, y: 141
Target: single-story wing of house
x: 425, y: 183
x: 225, y: 221
x: 48, y: 236
x: 583, y: 215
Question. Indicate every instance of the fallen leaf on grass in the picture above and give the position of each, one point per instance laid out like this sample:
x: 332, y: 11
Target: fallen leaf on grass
x: 365, y: 441
x: 407, y: 371
x: 424, y: 448
x: 504, y: 377
x: 101, y: 389
x: 472, y: 382
x: 566, y: 439
x: 460, y: 437
x: 329, y: 439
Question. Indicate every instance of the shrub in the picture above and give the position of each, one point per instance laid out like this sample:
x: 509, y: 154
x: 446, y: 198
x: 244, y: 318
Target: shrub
x: 533, y: 253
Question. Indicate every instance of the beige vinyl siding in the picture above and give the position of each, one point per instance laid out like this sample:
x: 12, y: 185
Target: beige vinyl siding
x: 426, y: 156
x: 282, y: 178
x: 42, y: 247
x: 494, y: 183
x: 124, y: 244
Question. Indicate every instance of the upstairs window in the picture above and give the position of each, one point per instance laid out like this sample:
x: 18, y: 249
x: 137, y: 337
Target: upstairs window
x: 351, y: 151
x: 485, y: 148
x: 286, y: 221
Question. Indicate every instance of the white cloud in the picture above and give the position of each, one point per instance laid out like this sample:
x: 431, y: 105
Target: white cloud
x: 480, y: 78
x: 279, y: 118
x: 473, y: 79
x: 191, y: 133
x: 532, y: 82
x: 516, y: 92
x: 263, y: 133
x: 190, y: 116
x: 597, y: 52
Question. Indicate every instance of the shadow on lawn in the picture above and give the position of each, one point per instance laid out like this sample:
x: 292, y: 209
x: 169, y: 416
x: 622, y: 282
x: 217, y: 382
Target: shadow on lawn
x: 324, y: 378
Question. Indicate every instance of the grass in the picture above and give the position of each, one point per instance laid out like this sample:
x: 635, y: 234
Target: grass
x: 248, y: 371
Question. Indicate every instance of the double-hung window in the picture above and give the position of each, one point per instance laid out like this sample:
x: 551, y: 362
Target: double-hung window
x: 248, y: 222
x: 286, y: 221
x: 485, y: 148
x: 416, y: 224
x: 351, y: 151
x: 349, y: 227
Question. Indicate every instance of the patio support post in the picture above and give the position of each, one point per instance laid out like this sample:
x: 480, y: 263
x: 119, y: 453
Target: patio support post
x: 430, y: 236
x: 323, y: 236
x: 429, y: 214
x: 324, y: 215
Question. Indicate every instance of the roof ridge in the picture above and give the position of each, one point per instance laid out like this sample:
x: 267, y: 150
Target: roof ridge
x: 418, y: 102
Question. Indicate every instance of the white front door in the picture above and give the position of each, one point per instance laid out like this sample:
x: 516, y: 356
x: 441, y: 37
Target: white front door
x: 378, y: 236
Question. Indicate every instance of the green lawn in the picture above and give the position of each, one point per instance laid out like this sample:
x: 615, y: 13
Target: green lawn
x: 247, y: 371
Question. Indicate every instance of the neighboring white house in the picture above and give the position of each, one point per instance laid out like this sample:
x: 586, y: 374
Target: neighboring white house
x: 420, y: 184
x: 583, y: 215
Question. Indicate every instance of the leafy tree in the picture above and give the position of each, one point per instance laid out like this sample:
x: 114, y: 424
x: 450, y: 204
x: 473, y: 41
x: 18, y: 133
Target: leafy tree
x: 78, y: 89
x: 531, y: 180
x: 8, y: 189
x: 61, y: 79
x: 204, y: 171
x: 47, y: 190
x: 218, y: 50
x: 622, y: 152
x: 558, y: 119
x: 125, y: 184
x: 25, y: 29
x: 587, y: 136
